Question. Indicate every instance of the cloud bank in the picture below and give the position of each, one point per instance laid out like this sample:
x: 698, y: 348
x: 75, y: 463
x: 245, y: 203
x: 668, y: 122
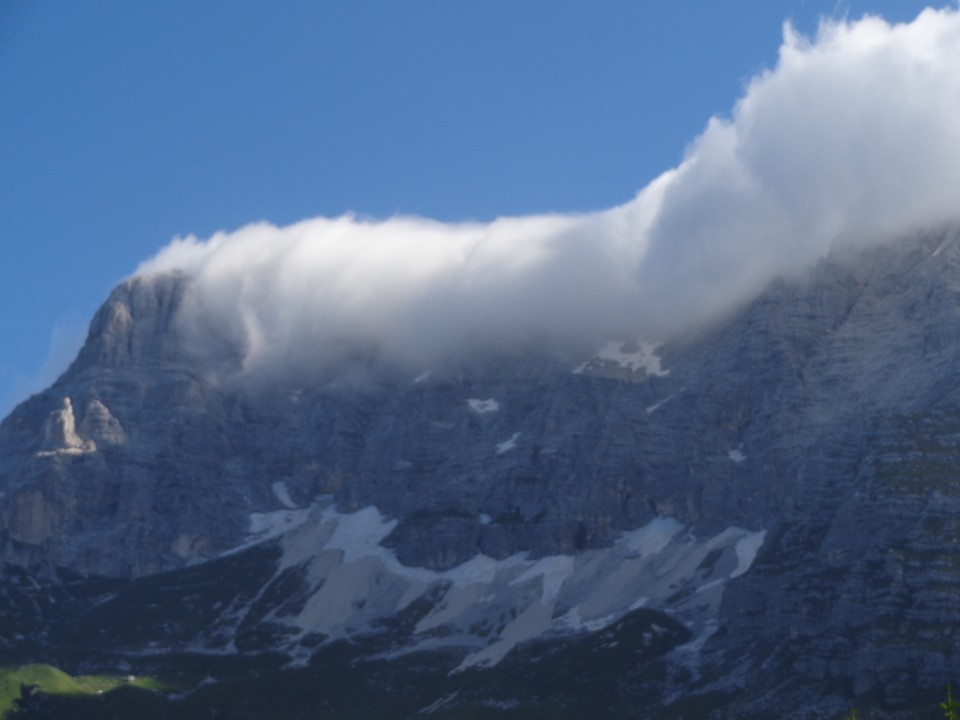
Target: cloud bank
x: 852, y: 138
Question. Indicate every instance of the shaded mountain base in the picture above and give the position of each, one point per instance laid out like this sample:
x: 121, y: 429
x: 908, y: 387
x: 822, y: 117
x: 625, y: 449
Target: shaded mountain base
x: 616, y: 671
x: 641, y: 666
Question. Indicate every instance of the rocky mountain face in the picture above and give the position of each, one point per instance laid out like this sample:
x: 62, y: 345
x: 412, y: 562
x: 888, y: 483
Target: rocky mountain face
x: 770, y: 503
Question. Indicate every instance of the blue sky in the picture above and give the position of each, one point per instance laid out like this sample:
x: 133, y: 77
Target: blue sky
x: 125, y: 124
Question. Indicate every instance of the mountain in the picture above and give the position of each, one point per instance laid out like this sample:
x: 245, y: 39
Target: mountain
x: 757, y: 517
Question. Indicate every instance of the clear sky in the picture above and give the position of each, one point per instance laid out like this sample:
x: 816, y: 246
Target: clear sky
x: 124, y: 124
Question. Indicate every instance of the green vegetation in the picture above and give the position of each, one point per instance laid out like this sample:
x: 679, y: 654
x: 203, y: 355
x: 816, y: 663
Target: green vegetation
x: 951, y: 708
x: 305, y: 693
x: 44, y: 676
x: 50, y: 680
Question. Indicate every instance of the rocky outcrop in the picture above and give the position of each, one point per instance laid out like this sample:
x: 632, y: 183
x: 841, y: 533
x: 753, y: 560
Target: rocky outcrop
x: 101, y: 426
x: 60, y: 434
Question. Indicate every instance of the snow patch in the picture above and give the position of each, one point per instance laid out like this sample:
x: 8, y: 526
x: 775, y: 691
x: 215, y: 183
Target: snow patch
x: 691, y: 650
x: 653, y: 537
x: 433, y: 707
x: 282, y: 493
x: 534, y: 621
x: 635, y: 358
x: 711, y: 584
x: 639, y: 603
x: 486, y: 606
x: 508, y: 445
x: 482, y: 407
x: 747, y: 548
x: 269, y: 525
x: 553, y: 570
x: 574, y: 621
x: 359, y: 534
x: 656, y: 406
x: 479, y: 570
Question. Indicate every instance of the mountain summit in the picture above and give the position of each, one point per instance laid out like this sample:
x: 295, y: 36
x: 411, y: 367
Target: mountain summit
x: 761, y: 513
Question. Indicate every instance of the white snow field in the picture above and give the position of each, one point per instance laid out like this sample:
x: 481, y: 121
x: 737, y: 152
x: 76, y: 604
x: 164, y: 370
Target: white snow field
x: 487, y: 606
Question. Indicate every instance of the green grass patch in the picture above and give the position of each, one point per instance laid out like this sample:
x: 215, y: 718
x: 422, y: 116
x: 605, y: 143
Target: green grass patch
x: 53, y: 681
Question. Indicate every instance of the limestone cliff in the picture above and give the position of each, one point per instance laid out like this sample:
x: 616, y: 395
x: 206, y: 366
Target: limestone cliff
x: 825, y: 413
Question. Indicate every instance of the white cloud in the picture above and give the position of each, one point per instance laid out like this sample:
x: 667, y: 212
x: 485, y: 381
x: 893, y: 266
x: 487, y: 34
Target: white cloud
x: 853, y: 137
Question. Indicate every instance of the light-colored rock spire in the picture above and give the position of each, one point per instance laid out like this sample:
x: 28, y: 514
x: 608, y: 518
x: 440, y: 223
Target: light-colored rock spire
x: 60, y: 434
x: 101, y: 426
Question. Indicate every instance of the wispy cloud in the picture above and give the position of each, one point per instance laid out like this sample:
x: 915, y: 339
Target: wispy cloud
x: 66, y: 338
